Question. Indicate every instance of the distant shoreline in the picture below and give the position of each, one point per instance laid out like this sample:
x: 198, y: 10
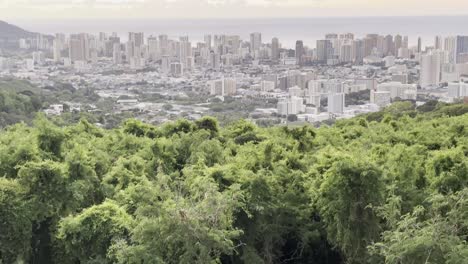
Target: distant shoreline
x: 288, y: 30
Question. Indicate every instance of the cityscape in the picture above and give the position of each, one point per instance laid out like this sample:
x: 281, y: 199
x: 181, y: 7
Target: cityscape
x: 158, y: 78
x: 233, y: 132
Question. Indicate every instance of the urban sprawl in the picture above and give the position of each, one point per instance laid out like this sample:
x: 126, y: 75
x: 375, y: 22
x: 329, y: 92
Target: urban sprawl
x: 158, y: 78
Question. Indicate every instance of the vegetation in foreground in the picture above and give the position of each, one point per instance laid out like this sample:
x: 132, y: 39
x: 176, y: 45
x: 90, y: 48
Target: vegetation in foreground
x: 389, y: 187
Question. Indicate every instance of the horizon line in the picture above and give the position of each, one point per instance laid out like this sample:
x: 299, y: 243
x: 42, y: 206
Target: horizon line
x: 234, y: 18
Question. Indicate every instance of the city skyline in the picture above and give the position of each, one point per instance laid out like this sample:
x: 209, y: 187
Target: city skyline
x: 127, y: 9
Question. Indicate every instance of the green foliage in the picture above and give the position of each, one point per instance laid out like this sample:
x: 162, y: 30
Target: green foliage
x: 357, y: 98
x: 208, y: 123
x: 434, y: 235
x: 86, y: 237
x: 349, y: 191
x: 180, y: 126
x: 139, y: 129
x: 447, y: 170
x: 49, y: 137
x: 47, y: 186
x: 388, y: 187
x: 195, y: 227
x: 15, y: 224
x: 19, y: 101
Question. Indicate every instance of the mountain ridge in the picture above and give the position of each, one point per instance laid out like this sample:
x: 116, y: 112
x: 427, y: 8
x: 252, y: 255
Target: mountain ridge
x: 10, y: 35
x: 8, y: 30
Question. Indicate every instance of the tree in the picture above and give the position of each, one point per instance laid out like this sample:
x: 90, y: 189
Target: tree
x: 436, y: 234
x: 292, y: 118
x: 49, y: 137
x: 140, y: 129
x: 350, y: 189
x: 84, y: 184
x: 208, y: 123
x: 15, y: 222
x: 448, y: 170
x: 389, y: 188
x: 47, y: 192
x: 88, y: 236
x: 46, y: 184
x: 192, y: 228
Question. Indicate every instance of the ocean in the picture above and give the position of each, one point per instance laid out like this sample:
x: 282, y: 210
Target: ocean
x: 288, y: 30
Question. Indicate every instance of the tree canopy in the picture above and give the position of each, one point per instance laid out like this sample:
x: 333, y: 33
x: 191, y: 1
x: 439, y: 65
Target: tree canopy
x: 388, y: 187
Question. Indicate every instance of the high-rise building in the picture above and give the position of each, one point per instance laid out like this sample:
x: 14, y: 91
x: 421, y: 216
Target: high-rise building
x: 313, y: 92
x: 137, y: 38
x: 215, y: 61
x: 165, y: 64
x: 153, y: 48
x: 419, y: 48
x: 389, y: 46
x: 185, y: 49
x: 461, y: 48
x: 61, y: 37
x: 216, y: 87
x: 117, y: 53
x: 430, y: 70
x: 101, y: 43
x: 450, y: 46
x: 255, y: 41
x: 177, y: 69
x: 295, y: 105
x: 109, y: 46
x: 57, y: 49
x: 438, y: 43
x: 76, y: 50
x: 457, y: 90
x: 230, y: 86
x: 398, y: 43
x: 282, y: 107
x: 336, y: 103
x: 346, y: 53
x: 93, y: 56
x: 267, y: 86
x: 130, y: 50
x: 163, y: 45
x: 370, y: 43
x: 324, y: 50
x: 223, y: 87
x: 380, y: 98
x: 38, y: 57
x: 300, y: 53
x: 405, y: 43
x: 275, y: 54
x: 79, y: 47
x: 207, y: 39
x: 358, y: 50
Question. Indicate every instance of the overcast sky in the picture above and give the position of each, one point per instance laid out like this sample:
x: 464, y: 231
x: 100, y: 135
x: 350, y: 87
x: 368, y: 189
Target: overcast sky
x: 59, y: 9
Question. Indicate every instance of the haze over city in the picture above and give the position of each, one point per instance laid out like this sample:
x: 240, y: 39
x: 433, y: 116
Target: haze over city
x: 184, y: 9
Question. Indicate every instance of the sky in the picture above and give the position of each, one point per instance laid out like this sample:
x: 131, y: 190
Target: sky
x: 122, y: 9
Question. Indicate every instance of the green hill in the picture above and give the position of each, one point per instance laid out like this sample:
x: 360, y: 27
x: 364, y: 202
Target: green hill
x: 19, y: 101
x: 12, y: 31
x: 10, y: 35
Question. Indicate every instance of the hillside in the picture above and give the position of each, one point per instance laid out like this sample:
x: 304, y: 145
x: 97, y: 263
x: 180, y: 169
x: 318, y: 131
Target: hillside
x: 10, y: 34
x: 389, y: 187
x: 12, y: 31
x: 20, y: 100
